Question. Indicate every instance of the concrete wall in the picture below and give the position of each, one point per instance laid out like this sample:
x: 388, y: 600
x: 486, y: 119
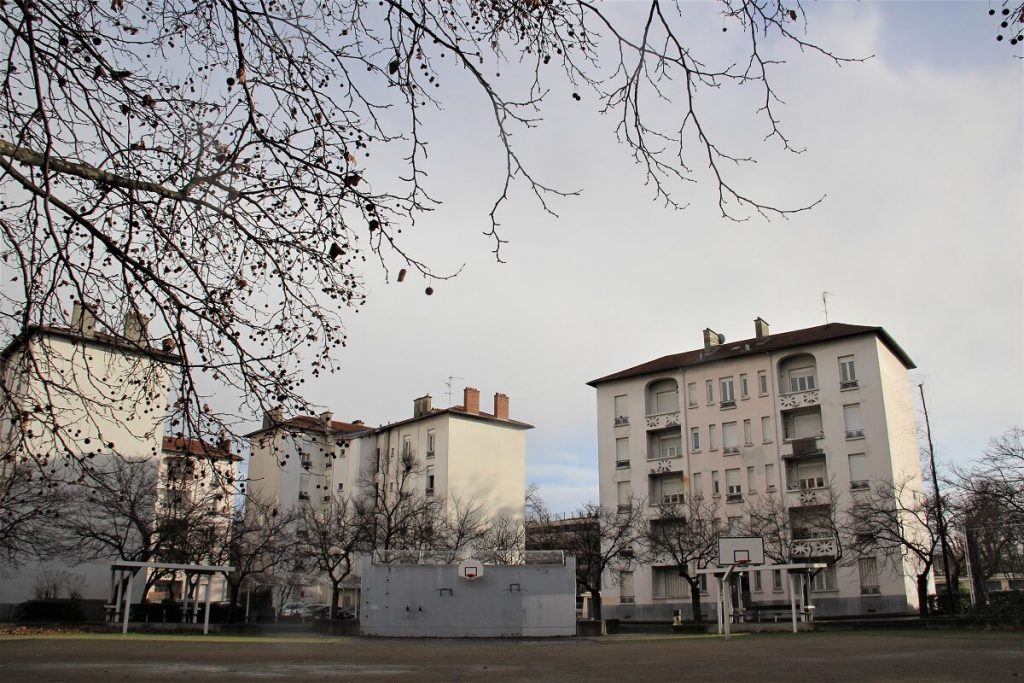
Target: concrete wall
x: 506, y: 601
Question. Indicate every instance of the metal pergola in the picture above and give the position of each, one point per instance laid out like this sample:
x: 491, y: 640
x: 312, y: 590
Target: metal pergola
x: 133, y: 567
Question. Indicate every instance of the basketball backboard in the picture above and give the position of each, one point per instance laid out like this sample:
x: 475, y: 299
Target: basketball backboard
x: 740, y: 550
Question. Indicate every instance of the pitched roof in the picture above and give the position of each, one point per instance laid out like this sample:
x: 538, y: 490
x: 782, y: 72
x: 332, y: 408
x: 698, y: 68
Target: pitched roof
x: 459, y: 411
x: 313, y: 423
x: 197, y: 447
x: 97, y: 338
x: 748, y: 347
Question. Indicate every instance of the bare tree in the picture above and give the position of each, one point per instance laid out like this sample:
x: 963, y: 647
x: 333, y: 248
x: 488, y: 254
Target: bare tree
x: 207, y: 165
x: 394, y: 513
x: 604, y: 542
x: 999, y: 474
x: 503, y: 540
x: 260, y: 538
x: 991, y: 541
x: 686, y: 536
x: 329, y: 537
x: 28, y: 504
x: 899, y: 523
x: 813, y: 531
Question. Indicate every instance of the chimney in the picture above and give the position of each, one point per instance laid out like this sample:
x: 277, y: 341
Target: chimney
x: 326, y: 416
x: 760, y: 328
x: 501, y: 406
x: 224, y: 443
x: 421, y: 406
x: 471, y: 400
x: 712, y: 339
x: 274, y: 417
x: 135, y: 325
x: 83, y: 320
x: 358, y: 422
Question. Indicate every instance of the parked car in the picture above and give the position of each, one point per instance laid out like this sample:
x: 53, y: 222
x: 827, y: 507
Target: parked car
x: 293, y: 609
x: 315, y: 611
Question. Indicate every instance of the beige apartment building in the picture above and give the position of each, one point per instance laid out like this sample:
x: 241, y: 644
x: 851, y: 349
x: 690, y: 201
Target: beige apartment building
x: 458, y: 454
x: 798, y: 417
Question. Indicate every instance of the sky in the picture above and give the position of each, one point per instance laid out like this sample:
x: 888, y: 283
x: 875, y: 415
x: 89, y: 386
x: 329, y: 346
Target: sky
x: 917, y: 151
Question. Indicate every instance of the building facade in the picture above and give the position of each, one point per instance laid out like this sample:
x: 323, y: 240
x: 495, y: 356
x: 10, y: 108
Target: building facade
x: 794, y: 421
x: 460, y: 455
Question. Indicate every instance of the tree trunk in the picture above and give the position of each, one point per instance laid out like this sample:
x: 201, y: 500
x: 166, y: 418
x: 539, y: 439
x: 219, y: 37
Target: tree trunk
x: 233, y: 590
x: 595, y: 605
x: 922, y: 594
x: 335, y: 594
x: 694, y: 599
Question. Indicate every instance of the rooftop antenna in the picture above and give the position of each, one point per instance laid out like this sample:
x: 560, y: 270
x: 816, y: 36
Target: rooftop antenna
x: 824, y: 303
x: 451, y: 379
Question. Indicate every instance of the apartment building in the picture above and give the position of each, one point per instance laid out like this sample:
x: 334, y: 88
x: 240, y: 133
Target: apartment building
x: 797, y: 418
x: 460, y: 453
x: 79, y: 399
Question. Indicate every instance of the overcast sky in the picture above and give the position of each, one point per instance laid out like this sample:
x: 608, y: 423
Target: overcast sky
x: 918, y: 152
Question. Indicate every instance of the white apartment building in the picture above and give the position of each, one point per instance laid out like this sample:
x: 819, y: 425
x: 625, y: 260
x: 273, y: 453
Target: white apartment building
x: 460, y: 453
x: 79, y: 397
x: 795, y: 415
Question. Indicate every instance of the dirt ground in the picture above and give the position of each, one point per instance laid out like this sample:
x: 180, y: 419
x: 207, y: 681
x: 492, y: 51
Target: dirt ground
x: 873, y: 656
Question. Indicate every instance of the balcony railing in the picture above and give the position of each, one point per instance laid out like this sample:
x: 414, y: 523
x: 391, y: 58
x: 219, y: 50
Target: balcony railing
x: 799, y: 399
x: 807, y: 497
x: 672, y: 499
x: 662, y: 420
x: 621, y: 420
x: 854, y: 433
x: 731, y: 450
x: 303, y: 495
x: 813, y: 548
x: 670, y: 452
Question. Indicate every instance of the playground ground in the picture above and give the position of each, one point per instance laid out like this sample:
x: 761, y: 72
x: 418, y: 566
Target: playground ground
x: 857, y: 656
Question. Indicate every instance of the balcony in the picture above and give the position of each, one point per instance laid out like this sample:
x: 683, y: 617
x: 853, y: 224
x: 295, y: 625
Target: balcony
x: 303, y: 495
x: 663, y: 420
x: 622, y: 464
x: 852, y: 384
x: 799, y: 399
x: 731, y: 450
x: 672, y: 499
x: 807, y: 497
x: 810, y: 549
x: 661, y: 453
x: 621, y: 420
x: 854, y: 433
x: 806, y: 447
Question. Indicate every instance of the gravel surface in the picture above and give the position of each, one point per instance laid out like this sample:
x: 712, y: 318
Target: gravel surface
x: 872, y: 656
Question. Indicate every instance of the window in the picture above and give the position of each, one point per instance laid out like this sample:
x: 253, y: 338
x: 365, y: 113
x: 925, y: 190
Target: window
x: 667, y: 490
x: 626, y: 593
x: 777, y: 580
x: 751, y: 476
x: 621, y: 411
x: 744, y: 386
x: 801, y: 379
x: 430, y: 480
x: 730, y: 438
x: 695, y: 439
x: 803, y: 425
x: 406, y: 446
x: 670, y: 446
x: 748, y: 438
x: 868, y: 569
x: 859, y: 478
x: 769, y: 477
x: 703, y: 582
x: 806, y: 475
x: 854, y: 427
x: 735, y: 526
x: 430, y: 443
x: 625, y: 495
x: 691, y: 394
x: 762, y: 383
x: 766, y: 429
x: 734, y: 491
x: 714, y: 483
x: 698, y: 485
x: 622, y: 452
x: 712, y: 437
x: 757, y: 582
x: 666, y: 583
x: 339, y: 448
x: 825, y: 580
x: 727, y: 391
x: 304, y: 487
x: 710, y: 386
x: 666, y: 402
x: 847, y: 373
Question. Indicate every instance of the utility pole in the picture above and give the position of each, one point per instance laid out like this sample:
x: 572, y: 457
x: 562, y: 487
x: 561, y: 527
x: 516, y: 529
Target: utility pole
x: 951, y: 600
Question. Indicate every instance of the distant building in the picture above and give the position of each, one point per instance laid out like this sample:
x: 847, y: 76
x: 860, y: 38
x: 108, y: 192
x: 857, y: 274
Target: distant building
x: 459, y: 454
x: 790, y: 415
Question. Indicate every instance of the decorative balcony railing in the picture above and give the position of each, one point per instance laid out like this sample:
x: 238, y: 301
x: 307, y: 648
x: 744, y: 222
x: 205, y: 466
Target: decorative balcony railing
x: 813, y: 548
x: 662, y: 420
x: 670, y: 452
x: 799, y: 399
x: 807, y: 497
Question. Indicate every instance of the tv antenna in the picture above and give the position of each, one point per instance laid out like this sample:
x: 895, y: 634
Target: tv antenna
x: 824, y: 303
x: 451, y: 380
